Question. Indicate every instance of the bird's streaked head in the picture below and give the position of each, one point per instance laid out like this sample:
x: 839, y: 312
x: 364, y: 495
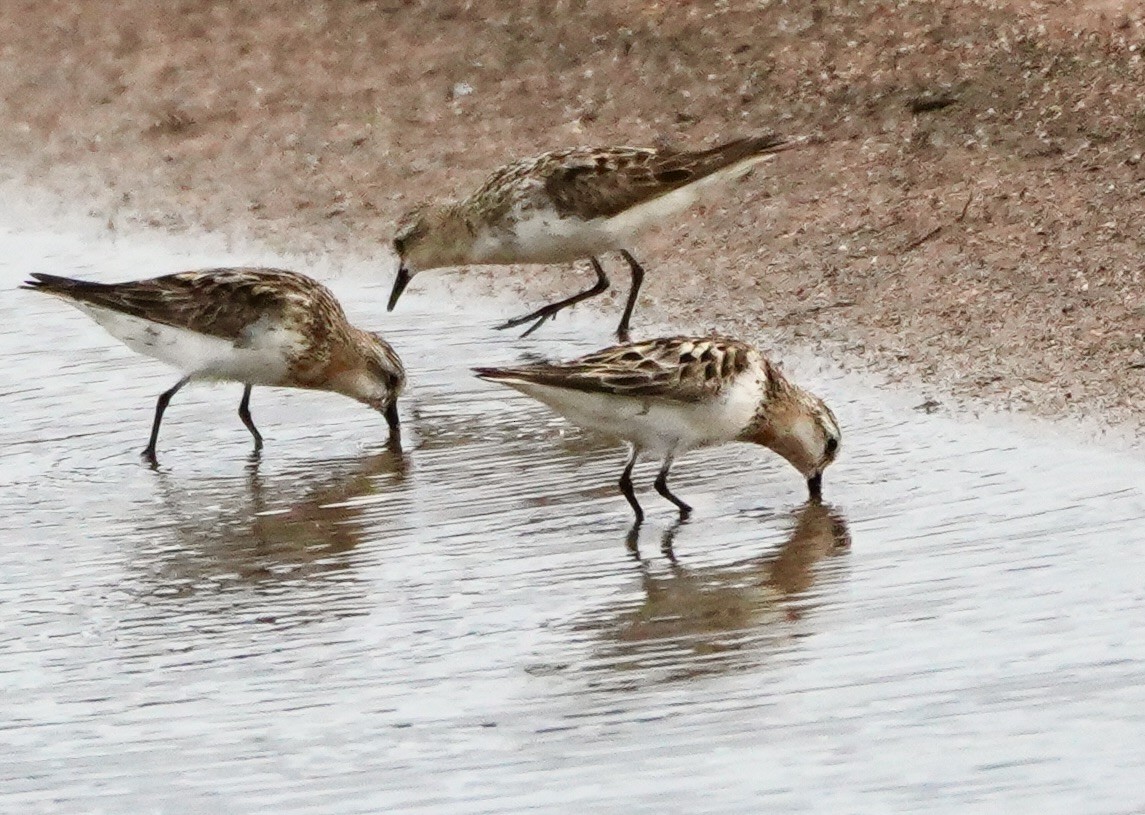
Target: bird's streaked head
x: 378, y: 377
x: 800, y: 427
x: 429, y: 236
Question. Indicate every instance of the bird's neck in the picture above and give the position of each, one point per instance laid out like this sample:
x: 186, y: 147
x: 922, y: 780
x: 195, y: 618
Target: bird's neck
x: 456, y: 235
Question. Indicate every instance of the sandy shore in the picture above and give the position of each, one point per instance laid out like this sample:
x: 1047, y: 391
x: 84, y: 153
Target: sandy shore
x: 972, y: 220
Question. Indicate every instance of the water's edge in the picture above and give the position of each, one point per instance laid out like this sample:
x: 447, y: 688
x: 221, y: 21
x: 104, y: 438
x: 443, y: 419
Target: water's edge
x: 465, y: 627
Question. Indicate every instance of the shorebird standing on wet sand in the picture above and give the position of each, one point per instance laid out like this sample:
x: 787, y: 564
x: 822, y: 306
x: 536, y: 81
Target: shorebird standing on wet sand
x: 674, y: 394
x: 248, y: 325
x: 568, y: 205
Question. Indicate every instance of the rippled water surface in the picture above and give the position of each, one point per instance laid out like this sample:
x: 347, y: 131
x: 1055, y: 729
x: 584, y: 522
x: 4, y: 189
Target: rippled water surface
x: 464, y: 629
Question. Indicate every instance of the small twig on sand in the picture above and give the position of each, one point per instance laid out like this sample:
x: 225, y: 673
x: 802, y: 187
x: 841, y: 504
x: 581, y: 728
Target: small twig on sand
x: 825, y: 306
x: 965, y: 207
x: 927, y: 103
x: 917, y: 242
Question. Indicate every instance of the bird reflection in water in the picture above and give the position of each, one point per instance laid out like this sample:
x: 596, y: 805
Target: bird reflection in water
x: 266, y: 530
x: 703, y: 620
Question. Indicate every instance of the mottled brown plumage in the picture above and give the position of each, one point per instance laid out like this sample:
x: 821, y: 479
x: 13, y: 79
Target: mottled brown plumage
x: 669, y: 395
x: 604, y: 182
x: 218, y: 302
x: 251, y: 325
x: 568, y: 205
x: 678, y: 369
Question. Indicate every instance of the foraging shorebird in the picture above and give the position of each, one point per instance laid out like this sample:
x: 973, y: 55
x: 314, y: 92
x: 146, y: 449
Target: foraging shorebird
x: 248, y: 325
x: 567, y: 205
x: 670, y: 395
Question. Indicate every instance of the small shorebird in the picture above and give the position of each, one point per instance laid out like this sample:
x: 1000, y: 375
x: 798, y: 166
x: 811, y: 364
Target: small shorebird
x: 567, y: 205
x: 670, y: 395
x: 248, y: 325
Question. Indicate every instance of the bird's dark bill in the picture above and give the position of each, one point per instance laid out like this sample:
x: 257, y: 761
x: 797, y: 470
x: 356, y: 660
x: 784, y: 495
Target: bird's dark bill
x: 400, y: 284
x: 815, y: 486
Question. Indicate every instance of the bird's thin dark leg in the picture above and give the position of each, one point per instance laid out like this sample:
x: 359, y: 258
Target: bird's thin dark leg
x: 662, y: 488
x: 551, y: 310
x: 394, y: 421
x: 244, y: 414
x: 626, y: 487
x: 637, y: 280
x: 160, y: 407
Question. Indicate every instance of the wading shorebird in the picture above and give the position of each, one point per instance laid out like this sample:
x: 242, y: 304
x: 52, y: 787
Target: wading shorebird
x: 670, y: 395
x: 254, y: 326
x: 565, y: 206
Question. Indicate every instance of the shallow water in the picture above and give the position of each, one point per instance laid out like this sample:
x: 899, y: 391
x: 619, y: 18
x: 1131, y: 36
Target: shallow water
x: 464, y: 629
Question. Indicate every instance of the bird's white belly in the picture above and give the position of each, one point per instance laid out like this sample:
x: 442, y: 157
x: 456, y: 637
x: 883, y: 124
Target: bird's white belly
x: 654, y: 426
x: 542, y: 236
x: 202, y: 356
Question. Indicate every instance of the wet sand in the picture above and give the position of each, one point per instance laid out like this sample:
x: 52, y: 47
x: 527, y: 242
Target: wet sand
x: 970, y: 227
x: 465, y: 628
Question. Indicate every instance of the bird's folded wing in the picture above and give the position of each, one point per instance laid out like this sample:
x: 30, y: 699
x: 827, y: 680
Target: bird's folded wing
x: 678, y: 369
x: 217, y: 302
x: 604, y: 182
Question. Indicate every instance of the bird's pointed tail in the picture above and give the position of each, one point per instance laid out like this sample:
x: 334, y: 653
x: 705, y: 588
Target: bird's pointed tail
x: 62, y: 286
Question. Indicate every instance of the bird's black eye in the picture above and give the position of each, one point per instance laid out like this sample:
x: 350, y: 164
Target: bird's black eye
x: 832, y: 445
